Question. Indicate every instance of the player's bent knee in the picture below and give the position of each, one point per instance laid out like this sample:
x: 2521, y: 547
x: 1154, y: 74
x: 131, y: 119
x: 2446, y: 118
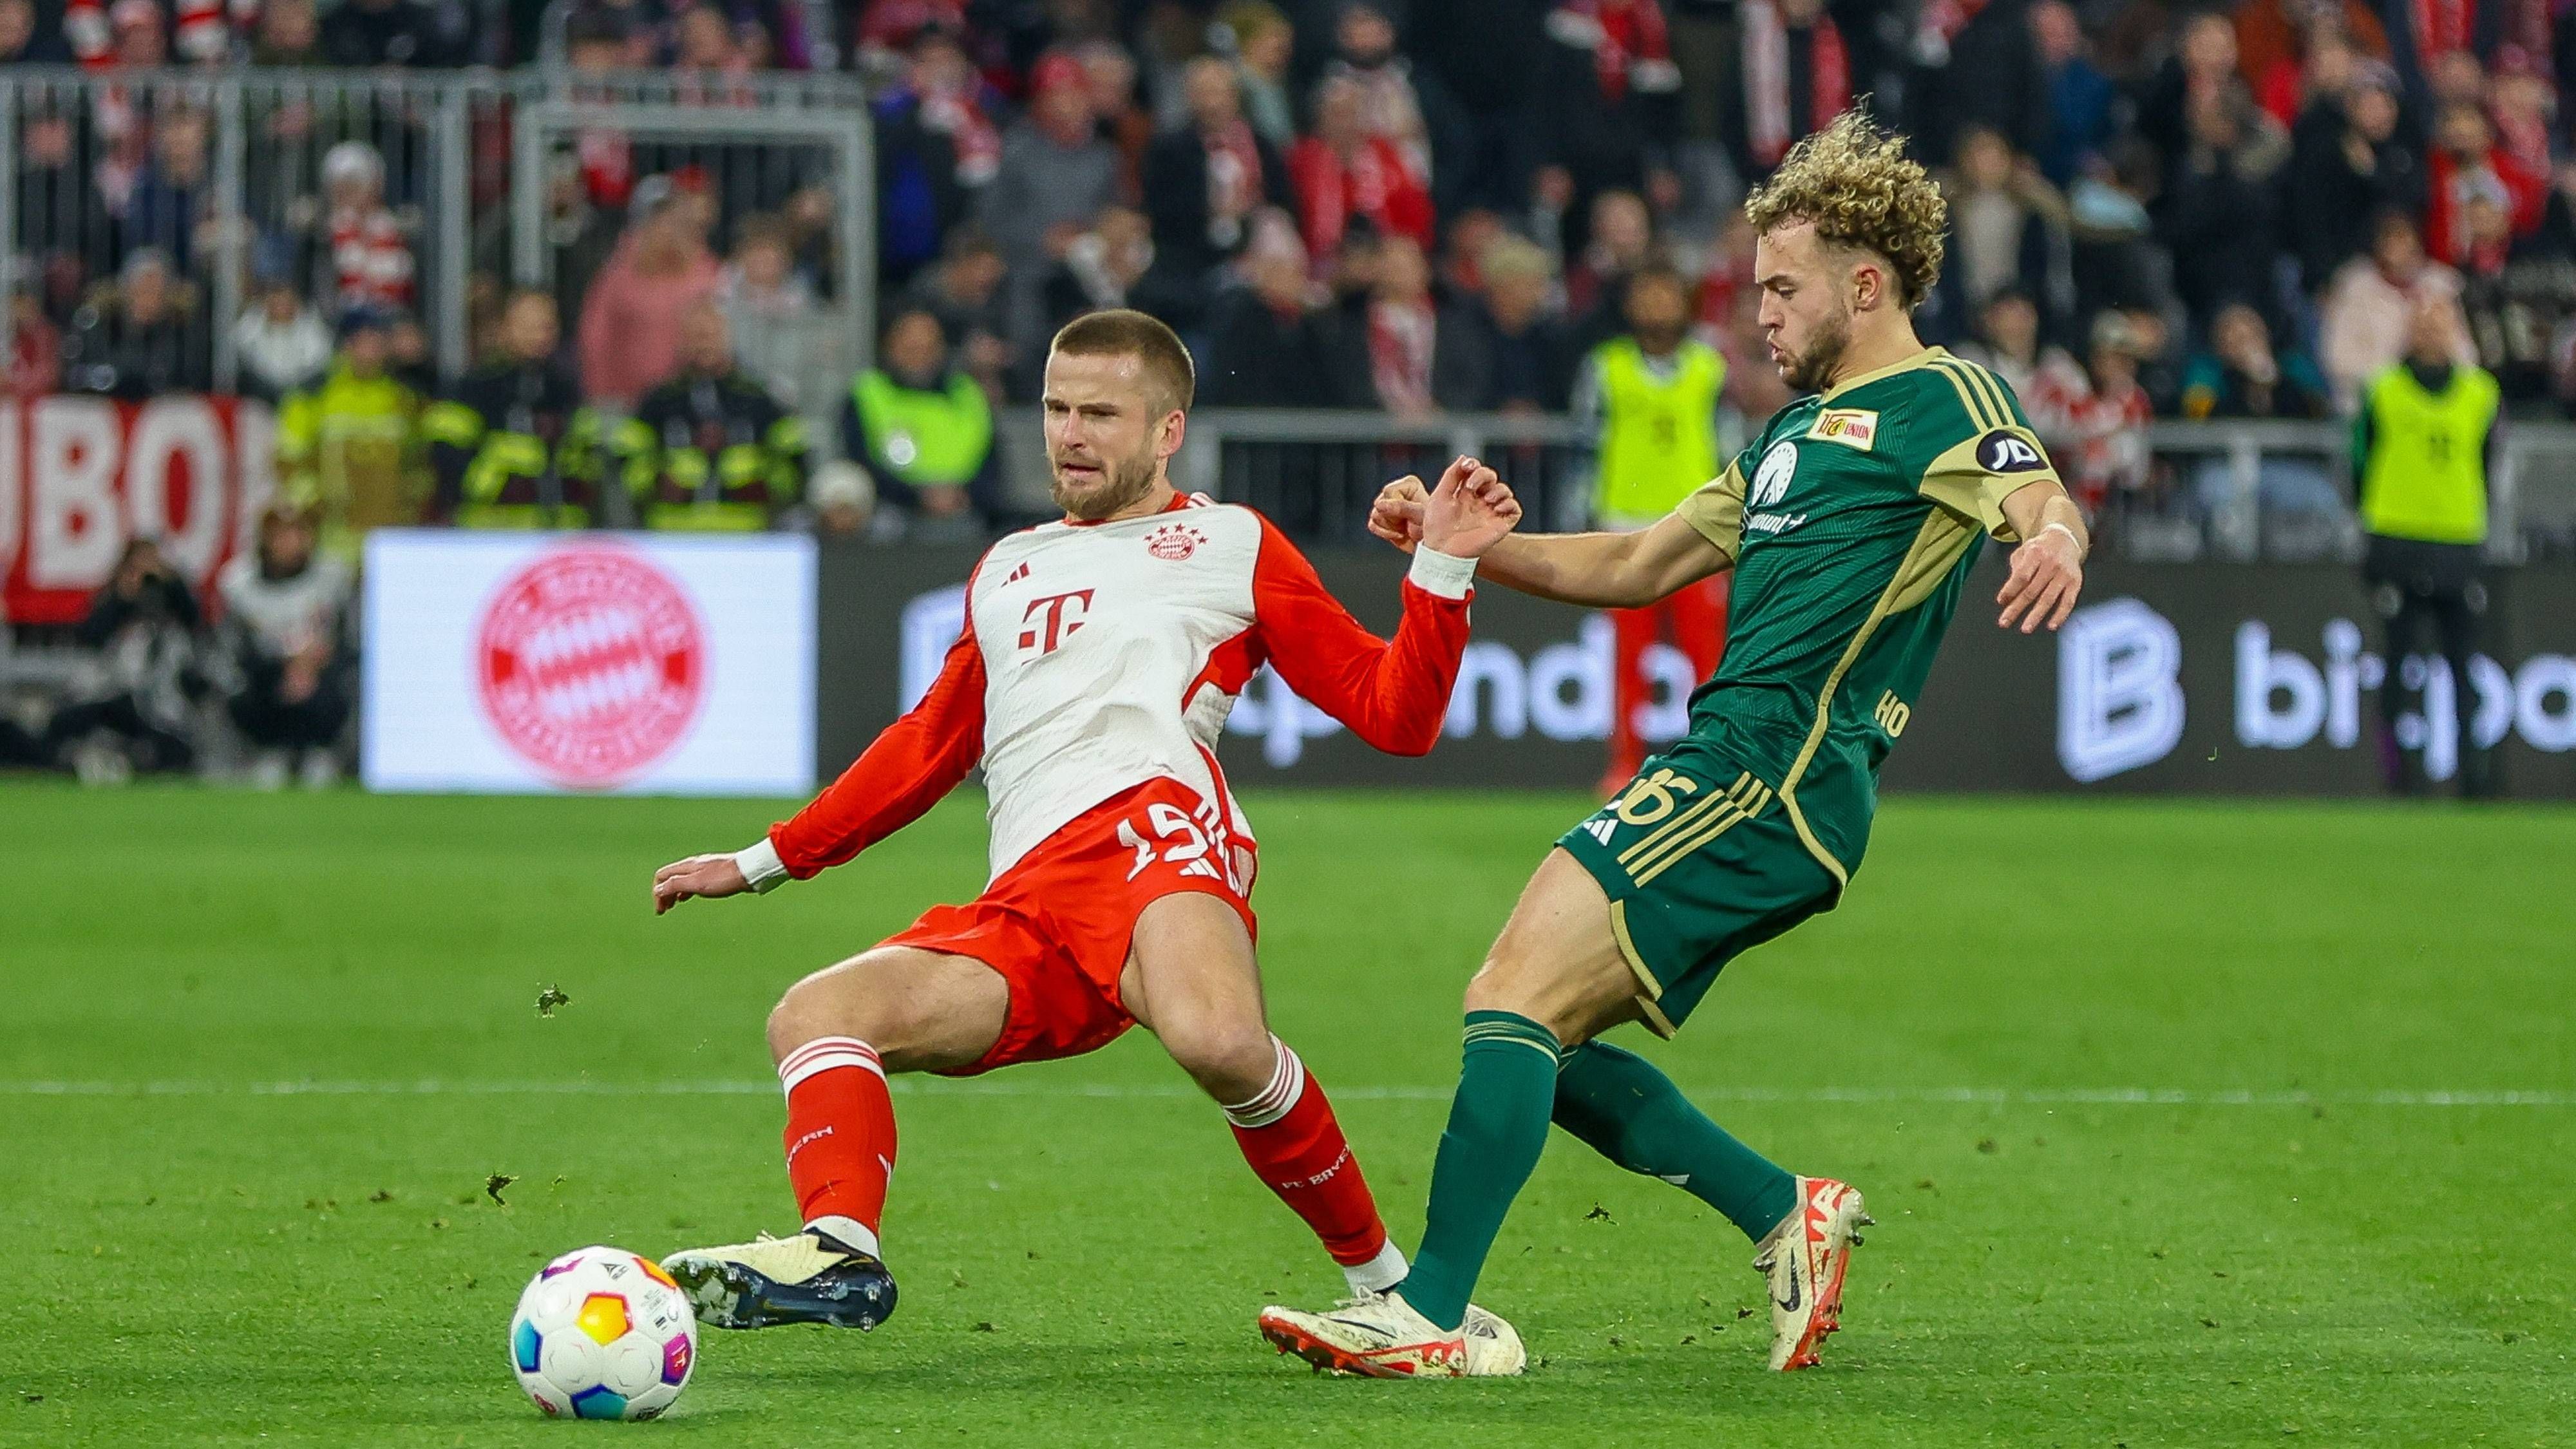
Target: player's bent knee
x: 1232, y: 1060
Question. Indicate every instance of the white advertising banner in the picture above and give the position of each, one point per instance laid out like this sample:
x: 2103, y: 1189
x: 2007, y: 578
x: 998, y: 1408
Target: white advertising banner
x: 639, y: 663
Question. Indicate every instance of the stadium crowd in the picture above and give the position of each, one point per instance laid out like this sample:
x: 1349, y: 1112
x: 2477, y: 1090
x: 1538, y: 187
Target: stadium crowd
x: 1410, y: 206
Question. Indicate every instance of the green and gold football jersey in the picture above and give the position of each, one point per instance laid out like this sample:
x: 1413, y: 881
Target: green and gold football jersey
x: 1853, y: 520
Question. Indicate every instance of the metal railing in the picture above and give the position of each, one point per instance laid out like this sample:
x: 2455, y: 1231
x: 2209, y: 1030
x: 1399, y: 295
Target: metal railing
x: 222, y: 174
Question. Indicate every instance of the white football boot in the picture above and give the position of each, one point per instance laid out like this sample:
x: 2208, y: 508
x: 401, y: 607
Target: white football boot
x: 804, y: 1277
x: 1805, y: 1258
x: 1379, y: 1335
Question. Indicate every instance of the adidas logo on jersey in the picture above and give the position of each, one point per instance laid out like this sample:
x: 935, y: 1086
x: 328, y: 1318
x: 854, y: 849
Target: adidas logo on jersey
x: 1014, y: 576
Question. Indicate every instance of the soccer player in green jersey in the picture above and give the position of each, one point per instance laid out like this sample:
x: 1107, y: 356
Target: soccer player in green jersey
x: 1851, y: 524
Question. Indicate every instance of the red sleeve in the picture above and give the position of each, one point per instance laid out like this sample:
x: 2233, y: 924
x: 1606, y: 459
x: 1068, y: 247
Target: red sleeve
x: 1392, y: 693
x: 905, y: 771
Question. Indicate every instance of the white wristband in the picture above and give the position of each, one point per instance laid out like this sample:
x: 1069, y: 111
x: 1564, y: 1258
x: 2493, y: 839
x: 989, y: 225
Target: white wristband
x: 2062, y: 528
x: 760, y: 865
x: 1435, y: 572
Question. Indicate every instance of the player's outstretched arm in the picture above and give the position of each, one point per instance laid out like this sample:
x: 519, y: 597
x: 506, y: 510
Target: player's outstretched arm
x: 2048, y: 566
x: 1596, y: 570
x: 904, y: 772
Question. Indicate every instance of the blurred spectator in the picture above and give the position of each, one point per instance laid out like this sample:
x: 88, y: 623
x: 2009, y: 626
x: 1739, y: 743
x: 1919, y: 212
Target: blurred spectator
x: 1796, y: 79
x: 368, y: 262
x: 966, y: 292
x: 350, y: 446
x: 1648, y: 398
x: 288, y: 35
x: 1622, y: 238
x: 845, y: 499
x: 131, y: 710
x: 1342, y: 171
x: 1394, y: 105
x: 2364, y: 319
x: 711, y: 451
x: 2464, y: 165
x: 35, y: 362
x: 1056, y: 175
x: 769, y: 308
x: 1533, y: 361
x: 2520, y: 307
x: 2010, y: 345
x: 2348, y: 163
x: 2287, y: 46
x: 285, y: 635
x: 25, y: 40
x: 511, y: 444
x: 2524, y: 110
x: 134, y: 340
x: 2007, y: 231
x: 1406, y: 353
x: 362, y: 34
x: 888, y: 28
x: 1607, y: 104
x: 2220, y: 209
x: 630, y: 320
x: 1109, y: 78
x: 2201, y: 72
x: 1461, y: 268
x: 1977, y: 63
x: 283, y: 345
x: 703, y: 41
x: 1484, y: 53
x: 1270, y: 343
x: 1204, y: 181
x: 2239, y: 377
x: 2112, y: 235
x: 407, y: 358
x: 2102, y: 424
x: 923, y: 428
x: 922, y: 160
x: 1103, y: 267
x: 1264, y: 42
x: 173, y: 199
x: 2080, y: 96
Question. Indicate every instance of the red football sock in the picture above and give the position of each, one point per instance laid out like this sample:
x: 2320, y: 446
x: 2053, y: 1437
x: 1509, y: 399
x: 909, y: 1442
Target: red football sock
x: 1289, y: 1136
x: 840, y: 1136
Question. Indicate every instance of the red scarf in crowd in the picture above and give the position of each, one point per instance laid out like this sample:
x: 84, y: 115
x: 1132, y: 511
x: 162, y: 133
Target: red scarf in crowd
x: 1234, y: 170
x: 1401, y: 338
x: 1767, y: 68
x: 1374, y: 182
x: 2442, y: 25
x: 1620, y: 36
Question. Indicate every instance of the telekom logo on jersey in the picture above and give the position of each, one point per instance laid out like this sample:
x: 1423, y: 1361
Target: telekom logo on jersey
x: 1051, y: 620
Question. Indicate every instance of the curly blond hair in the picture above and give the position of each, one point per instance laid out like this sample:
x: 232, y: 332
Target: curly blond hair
x: 1853, y: 181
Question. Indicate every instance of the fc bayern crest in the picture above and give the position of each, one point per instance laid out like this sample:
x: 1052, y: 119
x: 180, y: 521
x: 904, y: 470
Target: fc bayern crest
x: 591, y: 664
x: 1174, y: 541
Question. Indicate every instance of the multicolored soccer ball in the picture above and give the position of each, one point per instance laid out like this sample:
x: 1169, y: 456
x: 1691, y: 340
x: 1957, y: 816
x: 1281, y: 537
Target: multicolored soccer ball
x: 603, y: 1334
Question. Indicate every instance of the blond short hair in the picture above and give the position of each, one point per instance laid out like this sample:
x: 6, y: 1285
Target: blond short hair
x: 1853, y: 182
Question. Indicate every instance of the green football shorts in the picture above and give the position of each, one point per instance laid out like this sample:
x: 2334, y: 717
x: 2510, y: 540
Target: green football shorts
x: 1701, y: 862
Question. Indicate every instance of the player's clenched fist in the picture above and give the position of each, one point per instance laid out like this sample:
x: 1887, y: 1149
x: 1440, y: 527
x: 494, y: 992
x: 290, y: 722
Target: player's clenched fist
x: 699, y: 875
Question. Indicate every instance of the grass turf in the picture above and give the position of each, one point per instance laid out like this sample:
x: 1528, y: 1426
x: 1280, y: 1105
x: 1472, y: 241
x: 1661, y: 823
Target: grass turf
x: 2333, y: 1254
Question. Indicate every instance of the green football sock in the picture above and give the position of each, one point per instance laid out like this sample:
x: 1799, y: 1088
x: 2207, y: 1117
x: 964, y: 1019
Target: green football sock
x: 1497, y: 1127
x: 1629, y: 1112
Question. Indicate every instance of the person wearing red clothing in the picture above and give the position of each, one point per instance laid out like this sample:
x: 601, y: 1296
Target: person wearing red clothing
x: 1099, y: 659
x: 1342, y: 171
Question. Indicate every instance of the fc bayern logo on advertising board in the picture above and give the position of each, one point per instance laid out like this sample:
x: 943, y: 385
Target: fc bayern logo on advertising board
x: 591, y: 664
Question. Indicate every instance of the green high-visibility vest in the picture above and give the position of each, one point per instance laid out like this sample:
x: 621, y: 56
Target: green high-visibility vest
x: 2426, y: 476
x: 1658, y: 438
x: 928, y: 439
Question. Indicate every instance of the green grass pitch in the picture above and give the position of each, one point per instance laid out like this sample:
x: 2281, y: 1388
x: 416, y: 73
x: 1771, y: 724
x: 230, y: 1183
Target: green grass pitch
x: 2186, y: 1125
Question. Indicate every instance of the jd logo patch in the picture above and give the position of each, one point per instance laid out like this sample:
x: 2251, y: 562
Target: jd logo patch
x: 1851, y: 427
x: 1771, y: 480
x: 2002, y: 452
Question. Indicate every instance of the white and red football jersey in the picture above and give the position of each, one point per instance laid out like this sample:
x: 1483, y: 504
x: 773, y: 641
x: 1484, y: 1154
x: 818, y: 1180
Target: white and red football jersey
x: 1098, y: 656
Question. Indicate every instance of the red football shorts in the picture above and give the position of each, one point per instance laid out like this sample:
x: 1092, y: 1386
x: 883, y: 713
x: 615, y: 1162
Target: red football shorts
x: 1057, y: 925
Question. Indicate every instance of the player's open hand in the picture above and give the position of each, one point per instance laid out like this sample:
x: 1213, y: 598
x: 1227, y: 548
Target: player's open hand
x: 699, y: 875
x: 1397, y: 514
x: 2047, y: 575
x: 1469, y: 512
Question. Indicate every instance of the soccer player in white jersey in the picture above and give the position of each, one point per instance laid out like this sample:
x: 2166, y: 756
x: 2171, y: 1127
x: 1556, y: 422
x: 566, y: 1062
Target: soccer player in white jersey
x: 1099, y: 659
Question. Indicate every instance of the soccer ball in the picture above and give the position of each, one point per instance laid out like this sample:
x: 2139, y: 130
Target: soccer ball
x: 603, y: 1334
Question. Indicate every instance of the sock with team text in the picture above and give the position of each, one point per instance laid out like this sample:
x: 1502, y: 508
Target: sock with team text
x: 1497, y: 1127
x: 1289, y: 1135
x: 1631, y: 1113
x: 840, y: 1137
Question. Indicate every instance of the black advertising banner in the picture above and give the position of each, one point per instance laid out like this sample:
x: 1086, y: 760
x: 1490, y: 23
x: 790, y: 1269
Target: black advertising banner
x: 2212, y: 679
